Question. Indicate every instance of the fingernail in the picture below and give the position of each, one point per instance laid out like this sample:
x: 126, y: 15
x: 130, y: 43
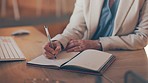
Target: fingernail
x: 53, y: 52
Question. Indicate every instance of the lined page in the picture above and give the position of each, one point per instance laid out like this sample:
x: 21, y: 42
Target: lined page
x: 90, y: 59
x: 61, y: 58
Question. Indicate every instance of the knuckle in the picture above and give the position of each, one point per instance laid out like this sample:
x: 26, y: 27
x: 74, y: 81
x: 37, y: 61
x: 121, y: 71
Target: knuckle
x: 82, y: 41
x: 48, y: 55
x: 82, y: 47
x: 45, y: 47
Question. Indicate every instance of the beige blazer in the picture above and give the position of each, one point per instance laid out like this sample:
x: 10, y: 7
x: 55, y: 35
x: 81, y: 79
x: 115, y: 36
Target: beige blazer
x: 130, y: 27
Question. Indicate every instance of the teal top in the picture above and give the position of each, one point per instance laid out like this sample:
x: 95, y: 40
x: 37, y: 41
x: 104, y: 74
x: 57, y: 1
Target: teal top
x: 106, y: 23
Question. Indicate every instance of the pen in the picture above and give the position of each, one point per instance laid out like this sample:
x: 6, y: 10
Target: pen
x: 49, y: 37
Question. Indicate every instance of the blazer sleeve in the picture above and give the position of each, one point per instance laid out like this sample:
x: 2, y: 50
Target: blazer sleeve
x: 134, y: 41
x: 76, y: 27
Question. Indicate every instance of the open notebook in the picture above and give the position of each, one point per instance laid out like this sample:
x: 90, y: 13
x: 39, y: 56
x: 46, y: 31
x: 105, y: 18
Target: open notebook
x: 88, y: 61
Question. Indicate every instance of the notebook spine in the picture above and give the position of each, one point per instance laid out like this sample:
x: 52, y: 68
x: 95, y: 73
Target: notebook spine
x: 108, y: 64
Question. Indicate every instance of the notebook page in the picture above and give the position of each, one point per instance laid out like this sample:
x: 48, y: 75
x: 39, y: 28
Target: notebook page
x: 61, y: 58
x: 90, y: 59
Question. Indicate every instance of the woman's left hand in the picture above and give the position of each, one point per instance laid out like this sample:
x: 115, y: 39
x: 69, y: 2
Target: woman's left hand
x: 80, y: 45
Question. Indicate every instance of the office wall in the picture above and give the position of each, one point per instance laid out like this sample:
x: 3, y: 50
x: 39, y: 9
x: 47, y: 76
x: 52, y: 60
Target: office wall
x: 43, y: 7
x: 29, y: 9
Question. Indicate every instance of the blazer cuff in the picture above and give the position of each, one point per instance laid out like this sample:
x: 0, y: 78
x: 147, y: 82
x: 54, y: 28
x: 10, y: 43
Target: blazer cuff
x: 61, y: 39
x: 104, y: 43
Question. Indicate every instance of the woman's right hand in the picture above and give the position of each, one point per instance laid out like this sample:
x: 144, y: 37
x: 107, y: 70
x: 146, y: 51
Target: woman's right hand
x: 52, y: 52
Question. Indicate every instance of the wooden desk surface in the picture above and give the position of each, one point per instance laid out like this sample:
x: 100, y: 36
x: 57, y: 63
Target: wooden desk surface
x: 31, y: 46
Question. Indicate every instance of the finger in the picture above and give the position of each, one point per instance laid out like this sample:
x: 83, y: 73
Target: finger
x: 57, y: 47
x: 49, y: 44
x: 57, y: 50
x: 69, y: 42
x: 49, y: 49
x: 72, y: 44
x: 49, y: 55
x: 75, y: 49
x: 44, y: 46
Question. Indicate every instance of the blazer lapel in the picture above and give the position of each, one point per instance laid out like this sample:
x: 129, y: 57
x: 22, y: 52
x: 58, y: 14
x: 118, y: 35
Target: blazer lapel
x: 95, y: 11
x: 122, y: 12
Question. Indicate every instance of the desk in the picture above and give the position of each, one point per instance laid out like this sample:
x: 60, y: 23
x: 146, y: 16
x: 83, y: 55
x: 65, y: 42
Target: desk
x: 31, y: 46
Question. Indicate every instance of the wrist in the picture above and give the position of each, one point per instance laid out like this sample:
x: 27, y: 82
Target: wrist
x: 59, y: 44
x: 99, y: 45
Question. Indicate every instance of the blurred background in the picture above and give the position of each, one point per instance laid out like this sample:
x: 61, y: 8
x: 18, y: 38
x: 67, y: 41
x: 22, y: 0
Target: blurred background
x: 53, y: 13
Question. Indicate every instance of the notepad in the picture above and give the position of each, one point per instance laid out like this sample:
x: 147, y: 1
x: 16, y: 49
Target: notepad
x: 88, y: 61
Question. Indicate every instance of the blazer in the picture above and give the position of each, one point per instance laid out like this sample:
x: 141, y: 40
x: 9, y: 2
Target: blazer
x: 130, y: 31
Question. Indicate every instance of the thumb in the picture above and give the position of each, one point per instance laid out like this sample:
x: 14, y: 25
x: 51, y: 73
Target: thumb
x: 57, y: 50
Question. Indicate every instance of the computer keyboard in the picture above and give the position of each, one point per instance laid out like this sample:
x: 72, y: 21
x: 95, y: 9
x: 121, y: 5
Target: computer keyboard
x: 9, y: 50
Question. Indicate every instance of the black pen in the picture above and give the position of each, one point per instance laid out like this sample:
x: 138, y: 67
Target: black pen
x: 49, y: 38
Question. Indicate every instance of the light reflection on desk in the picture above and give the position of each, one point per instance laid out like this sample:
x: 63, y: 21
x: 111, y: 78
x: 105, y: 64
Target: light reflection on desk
x: 146, y: 50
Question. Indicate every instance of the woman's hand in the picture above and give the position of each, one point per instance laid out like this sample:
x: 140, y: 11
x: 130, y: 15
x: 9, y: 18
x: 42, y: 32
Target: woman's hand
x: 49, y: 51
x: 80, y: 45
